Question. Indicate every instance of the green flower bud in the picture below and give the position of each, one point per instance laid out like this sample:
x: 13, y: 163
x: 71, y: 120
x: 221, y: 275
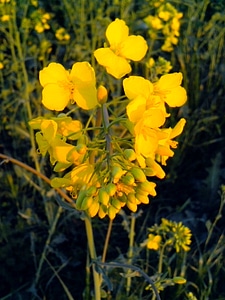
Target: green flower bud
x: 143, y: 198
x: 86, y: 203
x: 112, y: 211
x: 131, y: 198
x: 148, y: 187
x: 130, y: 154
x: 117, y: 172
x: 128, y: 179
x: 111, y: 189
x: 179, y: 280
x: 91, y: 191
x: 103, y: 196
x: 116, y: 203
x: 138, y: 174
x: 81, y: 148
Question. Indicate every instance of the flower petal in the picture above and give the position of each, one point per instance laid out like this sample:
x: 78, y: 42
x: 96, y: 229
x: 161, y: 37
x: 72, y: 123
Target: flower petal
x: 52, y: 74
x: 117, y: 32
x: 176, y: 97
x: 136, y: 109
x: 134, y: 47
x: 55, y: 97
x: 137, y: 85
x: 115, y: 65
x: 169, y: 81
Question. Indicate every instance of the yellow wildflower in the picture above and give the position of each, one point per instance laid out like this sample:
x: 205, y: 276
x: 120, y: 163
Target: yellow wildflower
x: 62, y: 35
x: 5, y: 18
x: 122, y: 49
x: 163, y: 150
x: 169, y: 90
x: 153, y: 242
x: 61, y: 86
x: 1, y: 66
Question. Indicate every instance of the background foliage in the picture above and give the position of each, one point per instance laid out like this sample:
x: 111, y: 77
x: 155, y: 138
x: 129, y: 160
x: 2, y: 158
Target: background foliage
x: 42, y: 246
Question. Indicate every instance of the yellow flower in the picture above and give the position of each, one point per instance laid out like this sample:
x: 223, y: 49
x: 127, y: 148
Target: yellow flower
x: 62, y: 86
x: 169, y: 90
x: 49, y: 141
x: 5, y: 18
x: 122, y: 49
x: 62, y: 35
x: 144, y: 103
x: 164, y: 151
x: 153, y: 241
x: 1, y: 66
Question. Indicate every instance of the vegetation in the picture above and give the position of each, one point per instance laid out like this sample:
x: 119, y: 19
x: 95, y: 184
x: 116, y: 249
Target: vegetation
x: 171, y: 248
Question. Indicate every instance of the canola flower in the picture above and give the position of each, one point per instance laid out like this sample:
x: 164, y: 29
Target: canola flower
x: 169, y: 234
x: 62, y: 86
x: 122, y: 48
x: 102, y: 171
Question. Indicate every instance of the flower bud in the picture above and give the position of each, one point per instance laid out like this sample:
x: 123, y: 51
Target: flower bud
x: 130, y: 154
x: 102, y: 94
x: 102, y: 211
x: 86, y: 203
x: 103, y: 196
x: 117, y: 173
x: 116, y: 203
x: 93, y: 209
x: 91, y: 191
x: 128, y: 179
x: 148, y: 187
x: 111, y: 189
x: 132, y: 206
x: 81, y: 148
x: 179, y: 280
x: 138, y: 174
x: 131, y: 198
x: 143, y: 198
x: 112, y: 211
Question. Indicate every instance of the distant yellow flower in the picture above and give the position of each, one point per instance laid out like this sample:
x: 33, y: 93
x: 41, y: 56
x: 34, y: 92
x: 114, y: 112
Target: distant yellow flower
x: 169, y: 90
x: 1, y: 66
x: 62, y: 86
x: 62, y: 35
x: 153, y: 242
x: 5, y: 18
x: 122, y: 49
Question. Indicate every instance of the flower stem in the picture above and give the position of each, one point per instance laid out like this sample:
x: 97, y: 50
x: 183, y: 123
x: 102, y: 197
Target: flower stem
x: 92, y: 251
x: 130, y: 251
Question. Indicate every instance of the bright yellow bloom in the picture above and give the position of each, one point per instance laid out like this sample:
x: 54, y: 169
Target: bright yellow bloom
x: 169, y: 90
x: 153, y: 241
x: 163, y: 150
x: 144, y: 103
x: 5, y: 18
x: 62, y: 86
x: 49, y: 141
x: 62, y: 35
x: 122, y: 49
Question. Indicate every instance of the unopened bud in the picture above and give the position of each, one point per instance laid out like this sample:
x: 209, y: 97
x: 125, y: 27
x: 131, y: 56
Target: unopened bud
x: 148, y: 187
x: 111, y: 189
x: 117, y: 172
x: 128, y: 179
x: 138, y: 174
x: 102, y: 94
x: 112, y: 211
x: 103, y: 196
x: 130, y: 154
x: 116, y: 203
x: 179, y: 280
x: 86, y: 203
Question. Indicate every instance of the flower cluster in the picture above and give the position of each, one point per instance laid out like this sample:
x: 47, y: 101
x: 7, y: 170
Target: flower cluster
x: 40, y: 19
x: 107, y: 162
x: 170, y: 234
x: 166, y: 21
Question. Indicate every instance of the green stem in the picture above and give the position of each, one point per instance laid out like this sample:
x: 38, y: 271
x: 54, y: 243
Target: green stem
x: 130, y: 251
x: 92, y: 251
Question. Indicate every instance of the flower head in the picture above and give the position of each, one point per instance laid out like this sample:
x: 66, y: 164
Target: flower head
x: 123, y: 48
x: 153, y: 241
x: 62, y: 86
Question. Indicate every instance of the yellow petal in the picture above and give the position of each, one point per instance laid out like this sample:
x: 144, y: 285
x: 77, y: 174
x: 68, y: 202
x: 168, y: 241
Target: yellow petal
x: 117, y: 32
x: 134, y: 47
x: 170, y: 81
x: 60, y: 149
x: 154, y: 118
x: 83, y: 77
x: 52, y: 74
x: 177, y: 130
x: 137, y: 85
x: 136, y: 109
x: 176, y: 97
x: 49, y: 129
x: 55, y: 97
x: 115, y: 65
x: 82, y: 72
